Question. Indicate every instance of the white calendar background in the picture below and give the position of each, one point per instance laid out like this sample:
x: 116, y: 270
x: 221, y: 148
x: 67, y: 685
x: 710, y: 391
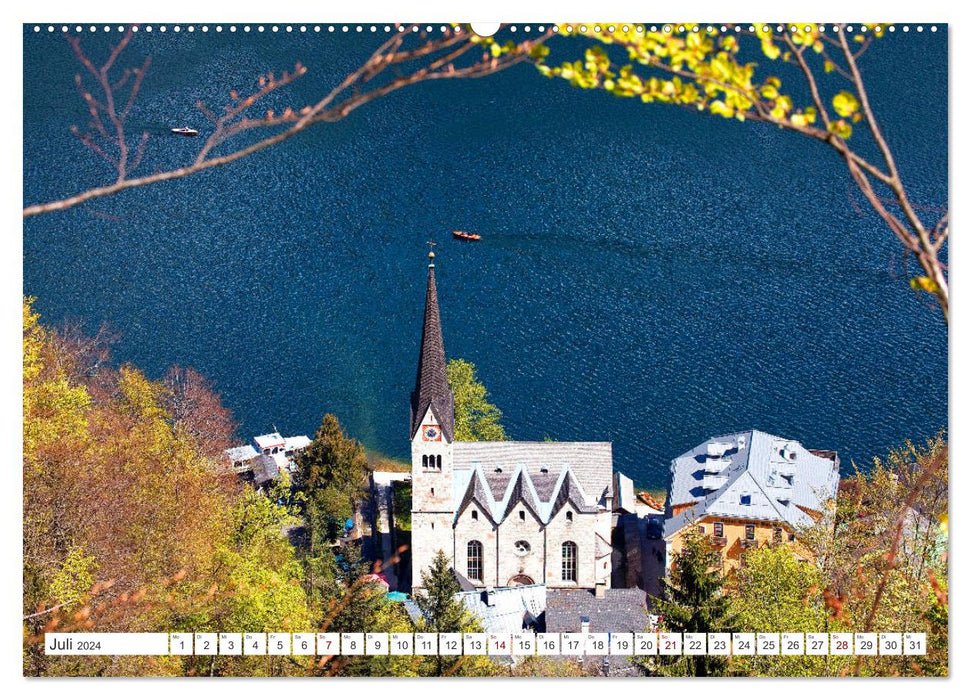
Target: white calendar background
x: 483, y: 644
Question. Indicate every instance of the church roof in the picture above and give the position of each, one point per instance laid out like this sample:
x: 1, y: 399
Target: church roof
x: 752, y: 476
x: 592, y: 463
x: 431, y: 383
x: 544, y: 476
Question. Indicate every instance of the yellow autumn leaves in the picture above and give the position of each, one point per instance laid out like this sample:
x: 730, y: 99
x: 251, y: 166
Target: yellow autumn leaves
x: 695, y: 67
x: 700, y: 67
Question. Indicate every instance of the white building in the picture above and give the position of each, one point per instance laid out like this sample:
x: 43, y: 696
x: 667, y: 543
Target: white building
x: 504, y: 513
x: 269, y: 455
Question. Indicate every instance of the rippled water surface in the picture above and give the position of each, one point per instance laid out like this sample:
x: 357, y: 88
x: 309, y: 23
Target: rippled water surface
x: 646, y: 275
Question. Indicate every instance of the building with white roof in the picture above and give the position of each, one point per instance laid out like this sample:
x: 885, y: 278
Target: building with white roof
x: 745, y: 489
x: 267, y: 457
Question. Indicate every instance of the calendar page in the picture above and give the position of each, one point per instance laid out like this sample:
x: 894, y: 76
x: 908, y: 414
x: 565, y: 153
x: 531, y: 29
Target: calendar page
x: 526, y: 349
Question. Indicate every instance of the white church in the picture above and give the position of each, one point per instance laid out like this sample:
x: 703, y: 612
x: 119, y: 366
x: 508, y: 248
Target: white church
x: 504, y: 513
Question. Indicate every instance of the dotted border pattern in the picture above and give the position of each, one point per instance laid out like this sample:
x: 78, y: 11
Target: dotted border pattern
x: 387, y: 29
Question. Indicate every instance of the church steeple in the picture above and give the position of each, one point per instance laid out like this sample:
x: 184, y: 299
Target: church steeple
x: 431, y: 384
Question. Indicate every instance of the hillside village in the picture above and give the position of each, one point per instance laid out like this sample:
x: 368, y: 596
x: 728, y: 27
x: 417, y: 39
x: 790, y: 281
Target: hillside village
x: 547, y: 535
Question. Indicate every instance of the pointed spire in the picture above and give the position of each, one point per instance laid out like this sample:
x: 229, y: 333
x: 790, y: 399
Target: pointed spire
x: 431, y: 384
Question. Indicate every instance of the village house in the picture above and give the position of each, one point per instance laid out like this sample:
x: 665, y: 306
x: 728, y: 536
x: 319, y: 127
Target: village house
x: 746, y: 489
x: 266, y: 457
x: 504, y: 513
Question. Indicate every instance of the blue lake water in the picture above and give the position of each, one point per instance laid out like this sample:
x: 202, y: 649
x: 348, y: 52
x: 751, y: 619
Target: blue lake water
x: 646, y: 275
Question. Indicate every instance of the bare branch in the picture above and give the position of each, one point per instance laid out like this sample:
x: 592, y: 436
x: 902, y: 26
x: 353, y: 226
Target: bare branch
x: 440, y: 54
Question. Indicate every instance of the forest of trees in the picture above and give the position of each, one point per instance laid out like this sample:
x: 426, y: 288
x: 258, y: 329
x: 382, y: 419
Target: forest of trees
x: 132, y: 522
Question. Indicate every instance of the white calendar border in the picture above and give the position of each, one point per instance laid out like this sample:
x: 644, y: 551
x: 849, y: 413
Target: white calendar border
x: 437, y: 10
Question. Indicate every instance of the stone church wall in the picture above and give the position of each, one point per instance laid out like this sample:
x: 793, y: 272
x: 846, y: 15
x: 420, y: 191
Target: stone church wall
x: 481, y: 529
x: 525, y: 528
x: 582, y: 530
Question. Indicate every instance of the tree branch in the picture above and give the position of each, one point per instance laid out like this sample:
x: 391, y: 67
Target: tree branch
x: 337, y: 104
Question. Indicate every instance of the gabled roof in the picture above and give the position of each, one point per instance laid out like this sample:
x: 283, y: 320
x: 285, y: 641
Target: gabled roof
x: 431, y: 383
x: 751, y: 476
x: 498, y: 493
x: 591, y: 464
x: 476, y: 491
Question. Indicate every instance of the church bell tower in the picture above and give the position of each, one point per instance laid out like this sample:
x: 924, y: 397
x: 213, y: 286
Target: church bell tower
x: 432, y: 434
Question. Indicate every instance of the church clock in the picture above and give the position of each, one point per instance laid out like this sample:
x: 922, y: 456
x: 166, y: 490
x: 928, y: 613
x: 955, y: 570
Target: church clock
x: 431, y: 433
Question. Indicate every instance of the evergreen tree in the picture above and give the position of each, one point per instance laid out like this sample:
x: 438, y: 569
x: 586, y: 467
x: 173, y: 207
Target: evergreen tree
x: 475, y: 418
x: 437, y: 602
x: 331, y: 475
x: 441, y: 612
x: 693, y: 601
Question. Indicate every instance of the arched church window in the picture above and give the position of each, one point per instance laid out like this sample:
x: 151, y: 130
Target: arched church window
x: 438, y: 461
x: 475, y: 515
x: 424, y: 461
x: 569, y: 569
x: 475, y: 561
x: 522, y: 515
x: 569, y: 515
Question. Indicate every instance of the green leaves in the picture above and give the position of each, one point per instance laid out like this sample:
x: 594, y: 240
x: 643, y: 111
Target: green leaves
x: 331, y: 472
x: 539, y: 51
x: 694, y: 601
x: 475, y: 417
x: 74, y: 579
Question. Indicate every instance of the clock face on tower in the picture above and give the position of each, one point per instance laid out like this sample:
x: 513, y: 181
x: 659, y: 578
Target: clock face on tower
x: 431, y: 433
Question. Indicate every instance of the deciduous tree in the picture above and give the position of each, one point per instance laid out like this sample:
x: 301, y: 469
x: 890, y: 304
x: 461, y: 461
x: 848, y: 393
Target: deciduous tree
x: 475, y: 418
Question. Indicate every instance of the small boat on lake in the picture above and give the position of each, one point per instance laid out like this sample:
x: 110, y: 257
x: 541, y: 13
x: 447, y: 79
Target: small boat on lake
x: 185, y: 131
x: 466, y: 236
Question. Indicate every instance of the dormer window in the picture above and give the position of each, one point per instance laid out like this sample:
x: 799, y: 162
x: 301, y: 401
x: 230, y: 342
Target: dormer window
x: 745, y: 499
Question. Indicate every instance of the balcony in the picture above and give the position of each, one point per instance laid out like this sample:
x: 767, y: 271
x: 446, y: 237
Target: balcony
x: 748, y: 543
x: 720, y: 541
